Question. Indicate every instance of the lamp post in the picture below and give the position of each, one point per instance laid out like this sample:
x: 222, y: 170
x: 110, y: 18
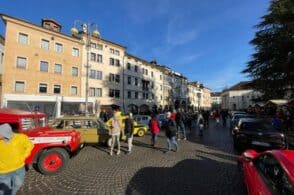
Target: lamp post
x: 90, y: 30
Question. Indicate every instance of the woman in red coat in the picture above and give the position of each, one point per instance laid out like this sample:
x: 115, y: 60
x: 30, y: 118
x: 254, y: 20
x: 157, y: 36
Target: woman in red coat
x: 154, y: 128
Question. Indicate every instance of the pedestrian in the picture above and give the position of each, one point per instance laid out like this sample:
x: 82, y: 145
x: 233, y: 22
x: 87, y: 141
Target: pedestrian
x: 129, y: 131
x: 154, y: 128
x: 15, y: 148
x: 104, y: 115
x: 217, y: 117
x: 206, y: 118
x: 170, y: 128
x: 115, y: 132
x: 180, y: 126
x: 200, y: 124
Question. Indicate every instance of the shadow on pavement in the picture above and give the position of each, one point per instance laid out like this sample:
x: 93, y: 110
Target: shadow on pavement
x: 142, y: 144
x: 187, y: 177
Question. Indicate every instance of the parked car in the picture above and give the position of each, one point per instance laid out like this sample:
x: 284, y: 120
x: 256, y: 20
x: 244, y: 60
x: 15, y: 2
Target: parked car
x: 92, y: 129
x: 257, y: 133
x: 270, y: 172
x: 143, y: 119
x: 232, y: 113
x: 236, y: 117
x: 139, y: 129
x: 52, y: 148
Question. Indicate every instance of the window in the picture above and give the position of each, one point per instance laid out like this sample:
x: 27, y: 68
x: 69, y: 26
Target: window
x: 23, y: 38
x: 56, y: 89
x: 152, y: 85
x: 43, y: 66
x: 152, y: 96
x: 111, y: 50
x: 114, y: 93
x: 74, y: 90
x: 116, y: 52
x: 74, y: 71
x: 136, y: 95
x: 128, y: 66
x: 99, y: 46
x: 129, y: 94
x: 117, y: 63
x: 93, y: 57
x: 111, y: 77
x: 152, y: 74
x: 95, y: 74
x: 95, y: 92
x: 136, y: 81
x: 19, y: 86
x: 129, y: 80
x: 136, y: 68
x: 93, y: 45
x: 146, y: 71
x: 75, y: 52
x: 42, y: 88
x: 99, y: 58
x: 111, y: 61
x: 45, y: 44
x: 58, y: 69
x: 21, y: 62
x: 160, y: 77
x: 58, y: 47
x: 117, y: 78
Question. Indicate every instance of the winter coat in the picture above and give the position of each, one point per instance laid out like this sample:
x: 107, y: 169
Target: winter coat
x: 15, y: 148
x: 154, y: 126
x: 170, y: 128
x: 116, y: 126
x: 129, y: 127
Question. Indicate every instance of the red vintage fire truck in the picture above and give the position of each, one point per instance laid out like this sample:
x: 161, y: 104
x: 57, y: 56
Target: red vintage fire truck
x: 52, y: 148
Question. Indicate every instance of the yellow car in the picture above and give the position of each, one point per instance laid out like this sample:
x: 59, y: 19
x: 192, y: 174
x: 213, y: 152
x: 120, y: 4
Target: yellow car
x: 92, y: 130
x: 139, y: 129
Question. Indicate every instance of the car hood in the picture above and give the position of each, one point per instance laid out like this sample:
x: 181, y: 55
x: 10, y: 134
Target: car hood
x: 48, y: 132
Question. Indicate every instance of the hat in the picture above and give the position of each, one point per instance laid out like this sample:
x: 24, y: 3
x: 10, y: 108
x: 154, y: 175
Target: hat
x: 168, y: 114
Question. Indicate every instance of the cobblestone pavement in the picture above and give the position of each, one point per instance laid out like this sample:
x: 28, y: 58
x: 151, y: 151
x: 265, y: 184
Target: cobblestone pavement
x: 204, y: 165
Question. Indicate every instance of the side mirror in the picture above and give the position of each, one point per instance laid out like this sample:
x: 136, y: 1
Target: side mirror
x: 248, y: 156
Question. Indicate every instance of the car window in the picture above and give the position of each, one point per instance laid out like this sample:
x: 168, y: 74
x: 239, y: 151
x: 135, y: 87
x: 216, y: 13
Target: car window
x: 144, y: 118
x: 260, y: 126
x: 273, y: 174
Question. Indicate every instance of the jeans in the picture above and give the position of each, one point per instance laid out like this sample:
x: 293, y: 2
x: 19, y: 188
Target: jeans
x: 181, y: 130
x: 153, y: 139
x: 11, y: 182
x: 130, y: 143
x: 115, y: 138
x: 172, y: 141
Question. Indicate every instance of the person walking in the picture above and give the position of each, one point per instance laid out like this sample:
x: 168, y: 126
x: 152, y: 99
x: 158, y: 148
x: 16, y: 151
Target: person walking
x: 115, y: 132
x: 154, y: 128
x: 14, y: 149
x: 180, y: 126
x: 200, y: 124
x: 206, y: 118
x: 216, y: 117
x: 129, y: 131
x: 170, y: 128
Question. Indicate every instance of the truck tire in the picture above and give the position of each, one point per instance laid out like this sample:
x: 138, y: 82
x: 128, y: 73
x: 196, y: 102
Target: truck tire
x: 141, y: 132
x: 52, y: 161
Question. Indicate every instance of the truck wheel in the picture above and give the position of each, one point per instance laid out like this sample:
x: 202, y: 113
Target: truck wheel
x: 109, y: 142
x: 52, y: 161
x: 141, y: 132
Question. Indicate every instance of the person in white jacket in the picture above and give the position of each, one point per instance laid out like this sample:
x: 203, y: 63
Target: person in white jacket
x: 200, y: 123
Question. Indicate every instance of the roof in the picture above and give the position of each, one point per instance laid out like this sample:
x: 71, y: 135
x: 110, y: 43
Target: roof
x: 214, y: 94
x: 277, y: 102
x: 51, y: 20
x: 243, y: 85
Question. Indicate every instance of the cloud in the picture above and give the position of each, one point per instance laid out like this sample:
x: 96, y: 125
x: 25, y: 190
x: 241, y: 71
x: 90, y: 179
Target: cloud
x: 179, y: 33
x: 140, y: 12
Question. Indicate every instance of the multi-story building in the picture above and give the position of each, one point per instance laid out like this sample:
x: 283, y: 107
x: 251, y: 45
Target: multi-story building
x: 216, y: 100
x: 41, y: 68
x: 105, y: 61
x: 206, y: 98
x: 2, y: 41
x: 174, y: 89
x: 143, y: 85
x: 239, y: 96
x: 195, y: 95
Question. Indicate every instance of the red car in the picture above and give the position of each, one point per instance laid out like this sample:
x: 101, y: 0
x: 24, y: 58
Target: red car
x: 270, y: 172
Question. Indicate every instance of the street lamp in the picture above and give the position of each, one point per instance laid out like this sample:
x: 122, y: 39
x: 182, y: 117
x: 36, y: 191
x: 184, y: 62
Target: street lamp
x: 90, y: 30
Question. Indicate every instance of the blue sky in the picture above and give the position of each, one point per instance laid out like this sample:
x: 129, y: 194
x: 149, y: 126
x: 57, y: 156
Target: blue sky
x: 207, y: 41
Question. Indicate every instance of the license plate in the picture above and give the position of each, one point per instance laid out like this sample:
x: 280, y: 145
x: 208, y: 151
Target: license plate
x: 260, y: 143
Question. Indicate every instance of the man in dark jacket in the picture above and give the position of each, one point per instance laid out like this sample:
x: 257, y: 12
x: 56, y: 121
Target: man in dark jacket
x: 180, y: 126
x: 170, y: 128
x: 129, y: 130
